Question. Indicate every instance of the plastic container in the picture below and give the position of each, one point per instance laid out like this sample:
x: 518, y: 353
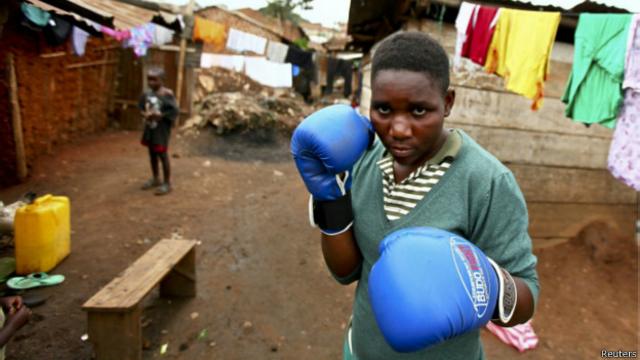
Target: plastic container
x: 42, y: 234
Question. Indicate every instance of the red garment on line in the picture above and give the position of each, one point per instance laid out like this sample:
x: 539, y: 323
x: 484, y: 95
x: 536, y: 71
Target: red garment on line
x: 479, y: 35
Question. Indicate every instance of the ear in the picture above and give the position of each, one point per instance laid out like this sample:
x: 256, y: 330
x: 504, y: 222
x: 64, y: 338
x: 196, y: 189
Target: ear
x: 449, y: 99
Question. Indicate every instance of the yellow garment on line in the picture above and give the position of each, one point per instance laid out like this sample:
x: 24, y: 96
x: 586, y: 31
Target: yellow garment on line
x: 520, y: 50
x: 210, y: 32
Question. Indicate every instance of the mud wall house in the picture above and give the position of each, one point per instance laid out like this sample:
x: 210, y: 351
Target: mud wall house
x: 237, y: 20
x: 254, y: 22
x: 60, y: 96
x: 559, y: 164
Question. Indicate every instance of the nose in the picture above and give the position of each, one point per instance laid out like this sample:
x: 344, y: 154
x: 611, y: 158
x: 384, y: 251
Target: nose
x: 400, y: 127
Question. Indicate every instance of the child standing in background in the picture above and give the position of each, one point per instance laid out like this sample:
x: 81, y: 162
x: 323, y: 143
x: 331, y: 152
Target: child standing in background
x: 159, y: 111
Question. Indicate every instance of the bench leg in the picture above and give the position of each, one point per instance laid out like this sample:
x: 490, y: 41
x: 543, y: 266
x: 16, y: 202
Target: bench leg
x: 116, y: 335
x: 181, y: 280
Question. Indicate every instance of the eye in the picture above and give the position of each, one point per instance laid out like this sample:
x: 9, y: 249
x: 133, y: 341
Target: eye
x: 419, y: 111
x: 383, y: 109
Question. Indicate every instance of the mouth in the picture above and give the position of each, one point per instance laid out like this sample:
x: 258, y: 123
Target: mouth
x: 400, y: 151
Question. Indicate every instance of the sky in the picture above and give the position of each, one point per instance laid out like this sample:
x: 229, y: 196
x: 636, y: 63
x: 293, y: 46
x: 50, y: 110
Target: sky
x: 326, y: 12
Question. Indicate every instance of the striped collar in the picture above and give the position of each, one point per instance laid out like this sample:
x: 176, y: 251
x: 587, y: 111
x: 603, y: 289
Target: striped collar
x: 448, y: 151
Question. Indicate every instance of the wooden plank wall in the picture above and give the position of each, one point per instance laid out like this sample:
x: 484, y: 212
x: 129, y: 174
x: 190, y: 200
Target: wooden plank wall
x: 132, y: 82
x: 560, y: 164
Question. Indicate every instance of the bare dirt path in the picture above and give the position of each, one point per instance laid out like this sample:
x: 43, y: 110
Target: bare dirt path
x: 263, y: 289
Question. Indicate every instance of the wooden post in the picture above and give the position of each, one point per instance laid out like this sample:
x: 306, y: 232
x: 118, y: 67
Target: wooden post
x: 183, y: 49
x: 116, y: 335
x: 16, y: 120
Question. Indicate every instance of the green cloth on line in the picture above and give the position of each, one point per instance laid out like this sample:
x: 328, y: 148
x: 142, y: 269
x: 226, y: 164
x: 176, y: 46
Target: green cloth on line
x: 477, y: 198
x: 36, y: 15
x: 594, y: 91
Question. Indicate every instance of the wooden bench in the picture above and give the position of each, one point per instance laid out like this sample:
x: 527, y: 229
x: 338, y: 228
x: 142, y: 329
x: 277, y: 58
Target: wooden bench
x: 114, y: 312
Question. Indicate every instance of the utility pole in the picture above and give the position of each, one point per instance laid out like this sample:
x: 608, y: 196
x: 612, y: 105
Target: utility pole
x: 183, y: 49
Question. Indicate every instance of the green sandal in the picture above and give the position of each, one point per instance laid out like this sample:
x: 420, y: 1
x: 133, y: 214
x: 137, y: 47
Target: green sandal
x: 34, y: 280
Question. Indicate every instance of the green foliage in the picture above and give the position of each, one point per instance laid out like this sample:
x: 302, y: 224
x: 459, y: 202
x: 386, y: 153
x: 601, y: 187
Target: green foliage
x: 285, y: 9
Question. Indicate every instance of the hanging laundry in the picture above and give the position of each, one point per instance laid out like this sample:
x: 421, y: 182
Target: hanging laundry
x: 119, y: 35
x: 462, y: 24
x: 521, y: 51
x: 241, y: 41
x: 57, y: 30
x: 267, y: 72
x: 162, y: 35
x: 141, y: 38
x: 594, y: 91
x: 35, y: 16
x: 277, y: 51
x: 624, y: 154
x: 209, y: 32
x: 79, y: 39
x: 231, y: 62
x: 299, y: 57
x: 479, y: 33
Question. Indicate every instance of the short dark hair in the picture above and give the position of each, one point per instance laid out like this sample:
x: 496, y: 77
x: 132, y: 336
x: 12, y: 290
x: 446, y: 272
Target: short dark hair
x: 156, y: 71
x: 413, y: 51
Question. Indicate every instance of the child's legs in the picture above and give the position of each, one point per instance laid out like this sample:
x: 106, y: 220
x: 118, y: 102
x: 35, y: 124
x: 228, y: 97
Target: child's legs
x: 166, y: 168
x: 153, y: 158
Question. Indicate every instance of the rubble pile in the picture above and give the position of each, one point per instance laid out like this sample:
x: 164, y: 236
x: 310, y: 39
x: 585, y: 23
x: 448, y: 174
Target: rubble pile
x: 231, y: 102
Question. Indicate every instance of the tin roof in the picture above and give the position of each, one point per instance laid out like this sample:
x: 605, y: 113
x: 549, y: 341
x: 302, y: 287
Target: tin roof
x: 111, y: 13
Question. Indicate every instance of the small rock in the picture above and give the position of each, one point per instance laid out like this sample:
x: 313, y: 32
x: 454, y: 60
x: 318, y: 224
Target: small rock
x: 84, y: 337
x: 164, y: 331
x: 247, y: 326
x: 278, y: 173
x: 194, y: 315
x: 206, y: 163
x: 212, y: 344
x: 85, y: 277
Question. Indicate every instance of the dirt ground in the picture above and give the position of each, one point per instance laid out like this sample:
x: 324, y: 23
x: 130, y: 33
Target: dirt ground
x: 263, y: 289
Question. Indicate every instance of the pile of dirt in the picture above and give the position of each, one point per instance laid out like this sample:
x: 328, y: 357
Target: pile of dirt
x: 231, y: 102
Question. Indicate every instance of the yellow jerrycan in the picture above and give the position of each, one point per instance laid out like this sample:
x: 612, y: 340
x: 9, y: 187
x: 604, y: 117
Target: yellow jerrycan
x: 42, y: 234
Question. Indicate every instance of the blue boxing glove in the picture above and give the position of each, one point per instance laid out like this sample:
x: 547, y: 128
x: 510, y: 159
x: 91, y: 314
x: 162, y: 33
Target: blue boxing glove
x: 325, y: 146
x: 431, y: 285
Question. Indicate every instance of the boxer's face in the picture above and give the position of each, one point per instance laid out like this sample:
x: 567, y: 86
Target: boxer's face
x: 408, y: 110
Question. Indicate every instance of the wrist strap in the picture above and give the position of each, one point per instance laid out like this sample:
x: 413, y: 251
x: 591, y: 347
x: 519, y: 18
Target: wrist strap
x: 331, y: 216
x: 507, y: 295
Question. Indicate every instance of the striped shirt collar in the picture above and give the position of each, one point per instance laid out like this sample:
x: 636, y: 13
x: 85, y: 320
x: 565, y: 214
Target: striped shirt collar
x: 448, y: 151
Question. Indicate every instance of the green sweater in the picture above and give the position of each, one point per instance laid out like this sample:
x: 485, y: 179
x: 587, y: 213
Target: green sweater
x: 477, y: 198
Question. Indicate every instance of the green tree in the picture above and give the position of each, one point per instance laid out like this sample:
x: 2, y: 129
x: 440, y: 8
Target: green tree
x: 285, y: 9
